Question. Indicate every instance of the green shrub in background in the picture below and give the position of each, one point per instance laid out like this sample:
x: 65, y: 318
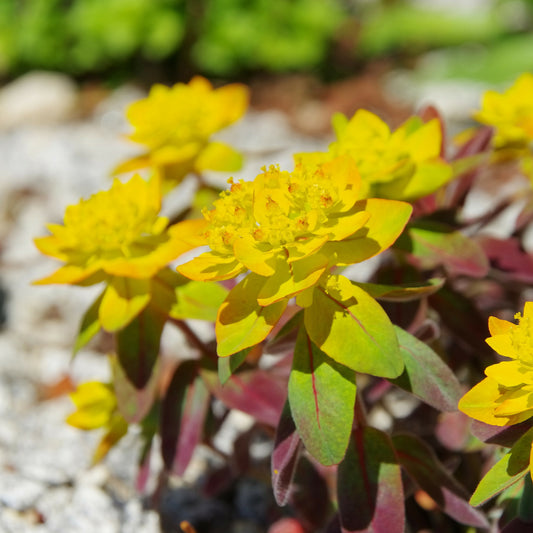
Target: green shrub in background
x: 224, y: 36
x: 238, y: 35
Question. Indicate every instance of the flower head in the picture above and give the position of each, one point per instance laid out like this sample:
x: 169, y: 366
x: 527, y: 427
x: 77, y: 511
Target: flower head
x: 176, y: 124
x: 505, y: 396
x: 402, y: 165
x: 289, y: 229
x: 116, y: 232
x: 510, y: 113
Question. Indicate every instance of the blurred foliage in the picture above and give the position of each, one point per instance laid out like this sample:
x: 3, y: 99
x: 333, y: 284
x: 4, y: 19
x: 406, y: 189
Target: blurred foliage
x: 487, y: 40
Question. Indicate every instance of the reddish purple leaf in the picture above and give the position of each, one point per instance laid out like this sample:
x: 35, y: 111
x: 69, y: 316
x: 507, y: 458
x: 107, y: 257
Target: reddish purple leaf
x: 183, y: 413
x: 287, y: 446
x: 502, y: 436
x: 137, y: 345
x: 453, y: 430
x: 370, y: 492
x: 431, y: 244
x: 507, y: 255
x: 517, y: 526
x: 429, y: 474
x: 259, y: 393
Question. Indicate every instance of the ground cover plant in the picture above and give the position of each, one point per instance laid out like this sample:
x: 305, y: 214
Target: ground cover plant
x: 299, y: 342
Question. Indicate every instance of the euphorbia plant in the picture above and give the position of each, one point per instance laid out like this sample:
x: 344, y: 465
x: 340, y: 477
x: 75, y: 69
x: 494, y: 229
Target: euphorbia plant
x: 273, y: 281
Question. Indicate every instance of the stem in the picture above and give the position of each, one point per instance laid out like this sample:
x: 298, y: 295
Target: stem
x: 525, y: 508
x: 193, y: 339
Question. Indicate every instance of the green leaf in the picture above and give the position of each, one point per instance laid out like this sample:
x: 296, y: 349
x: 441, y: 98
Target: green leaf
x: 426, y: 375
x: 138, y: 345
x: 89, y: 327
x: 512, y: 467
x: 369, y: 485
x: 323, y: 419
x: 431, y: 244
x: 353, y: 329
x: 241, y: 321
x: 122, y: 301
x: 402, y: 293
x: 228, y: 365
x: 198, y: 300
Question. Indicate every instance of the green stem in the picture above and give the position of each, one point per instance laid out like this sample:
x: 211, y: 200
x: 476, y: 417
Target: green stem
x: 525, y: 508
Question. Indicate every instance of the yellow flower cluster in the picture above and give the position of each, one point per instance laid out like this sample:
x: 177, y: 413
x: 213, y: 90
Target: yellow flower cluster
x: 403, y: 165
x: 176, y: 124
x: 510, y: 114
x: 116, y: 232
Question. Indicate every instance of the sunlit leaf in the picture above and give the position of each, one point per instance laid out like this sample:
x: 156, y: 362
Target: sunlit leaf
x: 353, y: 329
x: 241, y: 321
x: 402, y: 293
x: 323, y: 419
x: 122, y: 301
x: 512, y: 467
x: 198, y: 300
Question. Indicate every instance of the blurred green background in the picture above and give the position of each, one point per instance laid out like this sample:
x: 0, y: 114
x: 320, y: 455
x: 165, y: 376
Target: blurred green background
x: 489, y: 40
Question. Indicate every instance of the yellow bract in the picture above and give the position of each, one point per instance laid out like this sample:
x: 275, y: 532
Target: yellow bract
x: 510, y: 113
x: 96, y: 407
x: 176, y: 124
x: 113, y: 233
x: 505, y: 396
x: 288, y: 229
x: 403, y: 165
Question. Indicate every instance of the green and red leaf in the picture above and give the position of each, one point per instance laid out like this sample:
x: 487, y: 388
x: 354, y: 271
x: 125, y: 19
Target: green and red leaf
x: 287, y: 447
x: 369, y: 487
x: 183, y: 412
x: 324, y: 420
x: 426, y: 375
x: 137, y: 345
x: 353, y: 329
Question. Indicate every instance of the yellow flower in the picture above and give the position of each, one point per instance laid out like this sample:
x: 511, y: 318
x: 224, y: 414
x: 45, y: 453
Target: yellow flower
x: 176, y: 124
x: 96, y: 407
x: 288, y: 229
x: 116, y: 236
x: 505, y: 396
x: 116, y: 232
x: 510, y: 114
x: 401, y: 165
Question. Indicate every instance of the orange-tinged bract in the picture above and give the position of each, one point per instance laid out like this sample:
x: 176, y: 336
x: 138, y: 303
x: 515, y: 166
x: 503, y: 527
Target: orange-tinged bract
x: 289, y: 229
x: 117, y: 232
x: 176, y: 125
x: 402, y: 165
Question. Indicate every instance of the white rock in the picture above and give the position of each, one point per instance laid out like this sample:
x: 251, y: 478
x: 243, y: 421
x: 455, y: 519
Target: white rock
x: 37, y: 98
x: 18, y: 492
